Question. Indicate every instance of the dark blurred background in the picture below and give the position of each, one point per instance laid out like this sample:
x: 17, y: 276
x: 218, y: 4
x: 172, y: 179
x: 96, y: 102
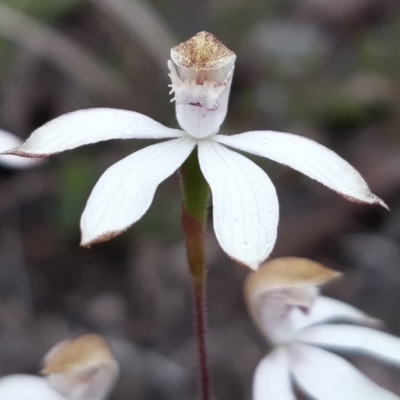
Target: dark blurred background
x: 325, y: 69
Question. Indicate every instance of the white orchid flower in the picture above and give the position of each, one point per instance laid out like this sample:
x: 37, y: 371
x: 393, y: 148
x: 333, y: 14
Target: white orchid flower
x: 9, y: 141
x: 81, y: 369
x: 244, y: 201
x: 282, y: 297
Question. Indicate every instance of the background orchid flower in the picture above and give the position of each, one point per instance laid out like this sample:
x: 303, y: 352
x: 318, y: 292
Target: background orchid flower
x: 245, y: 205
x: 81, y: 369
x: 282, y: 297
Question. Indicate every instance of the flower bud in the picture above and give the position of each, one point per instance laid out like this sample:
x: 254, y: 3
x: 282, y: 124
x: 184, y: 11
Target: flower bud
x: 201, y: 72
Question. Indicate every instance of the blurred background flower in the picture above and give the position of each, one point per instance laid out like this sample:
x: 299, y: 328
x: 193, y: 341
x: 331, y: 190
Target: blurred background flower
x: 328, y: 70
x: 79, y: 369
x: 283, y: 299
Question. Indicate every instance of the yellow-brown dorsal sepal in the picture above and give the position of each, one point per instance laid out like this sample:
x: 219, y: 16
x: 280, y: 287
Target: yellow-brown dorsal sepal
x: 287, y: 272
x: 70, y: 355
x: 202, y: 52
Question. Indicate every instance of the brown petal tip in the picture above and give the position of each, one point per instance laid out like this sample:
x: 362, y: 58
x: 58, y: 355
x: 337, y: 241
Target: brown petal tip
x: 105, y: 237
x: 18, y: 152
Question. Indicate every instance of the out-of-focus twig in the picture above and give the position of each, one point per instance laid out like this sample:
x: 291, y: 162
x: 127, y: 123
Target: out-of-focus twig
x: 73, y: 59
x: 144, y: 24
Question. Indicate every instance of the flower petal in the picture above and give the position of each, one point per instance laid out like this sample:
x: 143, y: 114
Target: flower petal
x: 308, y: 157
x: 8, y: 141
x: 125, y: 191
x: 328, y: 309
x: 356, y: 339
x: 23, y: 387
x: 90, y: 126
x: 272, y: 377
x: 245, y: 204
x: 326, y: 376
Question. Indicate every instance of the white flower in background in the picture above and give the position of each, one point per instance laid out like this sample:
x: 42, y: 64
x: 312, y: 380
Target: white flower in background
x: 245, y: 205
x: 283, y: 300
x: 81, y: 369
x: 9, y: 141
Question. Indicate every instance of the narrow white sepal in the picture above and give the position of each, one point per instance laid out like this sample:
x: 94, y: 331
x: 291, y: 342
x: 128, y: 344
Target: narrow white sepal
x: 357, y: 339
x: 10, y: 141
x: 326, y: 376
x: 27, y: 387
x: 306, y: 156
x: 125, y: 191
x: 272, y: 377
x: 245, y: 205
x: 327, y: 309
x: 93, y: 125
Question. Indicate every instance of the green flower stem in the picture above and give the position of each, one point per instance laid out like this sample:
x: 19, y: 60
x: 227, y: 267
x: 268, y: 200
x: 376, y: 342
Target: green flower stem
x: 195, y: 190
x: 196, y: 193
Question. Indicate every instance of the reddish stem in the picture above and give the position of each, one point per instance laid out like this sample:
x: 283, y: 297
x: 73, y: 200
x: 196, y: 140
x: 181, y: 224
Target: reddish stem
x: 199, y: 294
x: 195, y: 243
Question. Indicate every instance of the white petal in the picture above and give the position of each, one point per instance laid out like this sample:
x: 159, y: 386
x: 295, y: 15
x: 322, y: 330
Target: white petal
x: 90, y: 126
x: 9, y: 141
x: 245, y: 206
x: 272, y: 377
x: 356, y: 339
x: 125, y: 191
x: 27, y: 387
x: 308, y: 157
x: 328, y: 309
x: 326, y: 376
